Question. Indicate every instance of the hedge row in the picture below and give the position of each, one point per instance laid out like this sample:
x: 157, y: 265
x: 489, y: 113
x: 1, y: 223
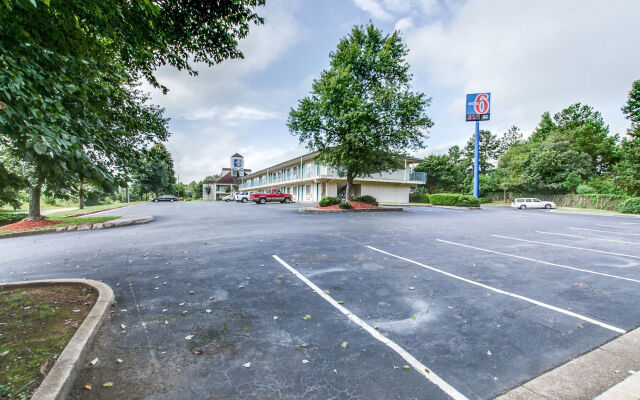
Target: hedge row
x: 451, y: 199
x: 366, y: 199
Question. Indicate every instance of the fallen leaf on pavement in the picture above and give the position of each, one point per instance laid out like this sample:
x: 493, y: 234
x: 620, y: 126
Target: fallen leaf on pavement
x: 246, y: 365
x: 107, y: 384
x: 87, y: 386
x: 344, y: 344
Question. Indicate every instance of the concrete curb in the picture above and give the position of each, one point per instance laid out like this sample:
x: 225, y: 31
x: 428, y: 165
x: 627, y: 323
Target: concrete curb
x: 585, y: 377
x: 122, y: 221
x: 458, y: 208
x: 313, y: 210
x: 58, y: 382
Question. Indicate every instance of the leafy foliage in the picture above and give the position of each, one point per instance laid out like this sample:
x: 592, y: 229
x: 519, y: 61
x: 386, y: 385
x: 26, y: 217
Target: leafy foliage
x: 366, y: 199
x: 10, y: 185
x: 631, y: 206
x: 345, y: 205
x: 450, y: 199
x: 329, y: 201
x: 361, y: 114
x: 156, y: 172
x: 72, y: 109
x: 9, y: 218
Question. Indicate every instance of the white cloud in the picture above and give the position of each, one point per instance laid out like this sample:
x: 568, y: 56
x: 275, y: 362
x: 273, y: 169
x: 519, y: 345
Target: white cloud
x: 404, y: 24
x: 533, y: 56
x: 235, y: 114
x: 374, y: 8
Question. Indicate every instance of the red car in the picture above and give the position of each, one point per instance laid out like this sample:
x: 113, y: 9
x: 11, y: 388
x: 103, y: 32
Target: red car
x: 271, y: 195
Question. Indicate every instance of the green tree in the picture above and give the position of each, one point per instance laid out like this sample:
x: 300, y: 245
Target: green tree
x: 156, y: 174
x: 361, y: 114
x: 587, y: 132
x: 510, y: 138
x: 489, y: 151
x: 571, y: 182
x: 547, y: 168
x: 10, y: 185
x: 71, y: 109
x: 444, y: 172
x: 544, y: 128
x: 632, y: 109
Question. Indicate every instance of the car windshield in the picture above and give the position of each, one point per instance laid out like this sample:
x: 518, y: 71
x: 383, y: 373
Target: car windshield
x: 536, y: 201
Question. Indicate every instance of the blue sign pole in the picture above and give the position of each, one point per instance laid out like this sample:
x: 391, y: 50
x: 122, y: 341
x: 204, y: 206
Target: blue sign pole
x: 478, y: 109
x: 476, y: 166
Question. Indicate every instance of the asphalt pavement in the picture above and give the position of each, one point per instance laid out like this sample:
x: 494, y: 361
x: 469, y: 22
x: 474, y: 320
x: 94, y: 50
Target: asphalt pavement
x: 428, y: 303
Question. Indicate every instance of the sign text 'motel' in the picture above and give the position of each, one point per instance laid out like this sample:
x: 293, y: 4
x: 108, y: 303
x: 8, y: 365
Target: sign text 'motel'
x: 478, y: 109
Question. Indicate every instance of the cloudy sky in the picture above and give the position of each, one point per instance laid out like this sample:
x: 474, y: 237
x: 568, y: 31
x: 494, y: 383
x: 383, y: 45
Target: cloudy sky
x: 533, y: 56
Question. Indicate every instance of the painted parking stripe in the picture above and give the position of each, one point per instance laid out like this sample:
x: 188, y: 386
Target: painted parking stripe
x: 517, y: 296
x: 596, y: 230
x: 586, y: 237
x: 417, y: 365
x: 566, y: 247
x: 540, y: 261
x: 612, y: 226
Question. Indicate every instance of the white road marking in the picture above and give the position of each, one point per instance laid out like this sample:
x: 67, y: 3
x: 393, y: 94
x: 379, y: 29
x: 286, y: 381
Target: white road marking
x: 417, y: 365
x: 586, y: 237
x: 596, y: 230
x: 630, y: 223
x: 567, y: 247
x: 541, y: 262
x: 612, y: 226
x: 517, y: 296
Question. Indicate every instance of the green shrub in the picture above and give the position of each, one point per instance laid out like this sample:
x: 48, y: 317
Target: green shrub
x: 367, y: 199
x: 329, y: 201
x: 345, y: 206
x: 467, y: 201
x: 631, y: 206
x: 583, y: 188
x: 451, y: 199
x: 418, y: 198
x: 444, y: 199
x: 10, y: 218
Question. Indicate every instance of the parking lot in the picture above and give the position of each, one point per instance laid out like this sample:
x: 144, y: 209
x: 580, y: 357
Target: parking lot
x: 429, y: 303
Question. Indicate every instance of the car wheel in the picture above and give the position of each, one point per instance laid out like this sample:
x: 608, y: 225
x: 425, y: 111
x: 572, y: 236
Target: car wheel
x: 547, y: 206
x: 155, y: 201
x: 244, y: 200
x: 172, y: 200
x: 523, y: 207
x: 262, y: 200
x: 287, y: 200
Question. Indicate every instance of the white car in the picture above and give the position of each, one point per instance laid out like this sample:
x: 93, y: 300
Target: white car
x: 242, y: 196
x: 228, y: 197
x: 531, y: 202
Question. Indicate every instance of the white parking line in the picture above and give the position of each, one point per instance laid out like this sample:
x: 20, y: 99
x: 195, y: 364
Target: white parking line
x: 630, y: 223
x: 417, y: 365
x: 613, y: 226
x: 567, y: 247
x: 517, y: 296
x: 541, y: 262
x: 586, y: 237
x: 596, y: 230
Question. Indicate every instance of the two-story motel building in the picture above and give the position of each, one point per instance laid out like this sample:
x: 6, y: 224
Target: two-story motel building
x: 309, y: 181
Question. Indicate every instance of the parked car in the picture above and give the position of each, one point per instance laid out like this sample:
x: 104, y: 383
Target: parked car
x: 271, y: 195
x: 165, y: 197
x: 229, y: 197
x: 531, y: 202
x: 243, y: 196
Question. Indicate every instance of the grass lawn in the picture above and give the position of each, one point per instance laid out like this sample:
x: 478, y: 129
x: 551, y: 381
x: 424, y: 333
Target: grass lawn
x: 590, y: 211
x: 88, y: 209
x: 38, y: 322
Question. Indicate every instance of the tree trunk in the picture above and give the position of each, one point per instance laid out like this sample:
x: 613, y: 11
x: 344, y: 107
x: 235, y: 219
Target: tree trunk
x: 81, y: 198
x: 34, y: 203
x: 505, y: 195
x: 349, y: 188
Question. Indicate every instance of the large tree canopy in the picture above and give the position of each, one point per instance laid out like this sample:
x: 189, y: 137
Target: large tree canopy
x: 361, y: 114
x: 71, y: 110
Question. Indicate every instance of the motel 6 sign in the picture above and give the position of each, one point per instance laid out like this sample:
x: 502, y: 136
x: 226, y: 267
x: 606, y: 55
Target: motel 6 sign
x: 478, y: 106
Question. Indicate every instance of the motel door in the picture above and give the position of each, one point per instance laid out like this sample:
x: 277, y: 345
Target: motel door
x: 300, y: 192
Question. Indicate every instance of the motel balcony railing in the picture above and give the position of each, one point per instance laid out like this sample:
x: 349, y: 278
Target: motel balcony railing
x: 321, y: 172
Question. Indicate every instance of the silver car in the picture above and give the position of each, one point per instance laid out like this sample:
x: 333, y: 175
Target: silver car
x: 532, y: 202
